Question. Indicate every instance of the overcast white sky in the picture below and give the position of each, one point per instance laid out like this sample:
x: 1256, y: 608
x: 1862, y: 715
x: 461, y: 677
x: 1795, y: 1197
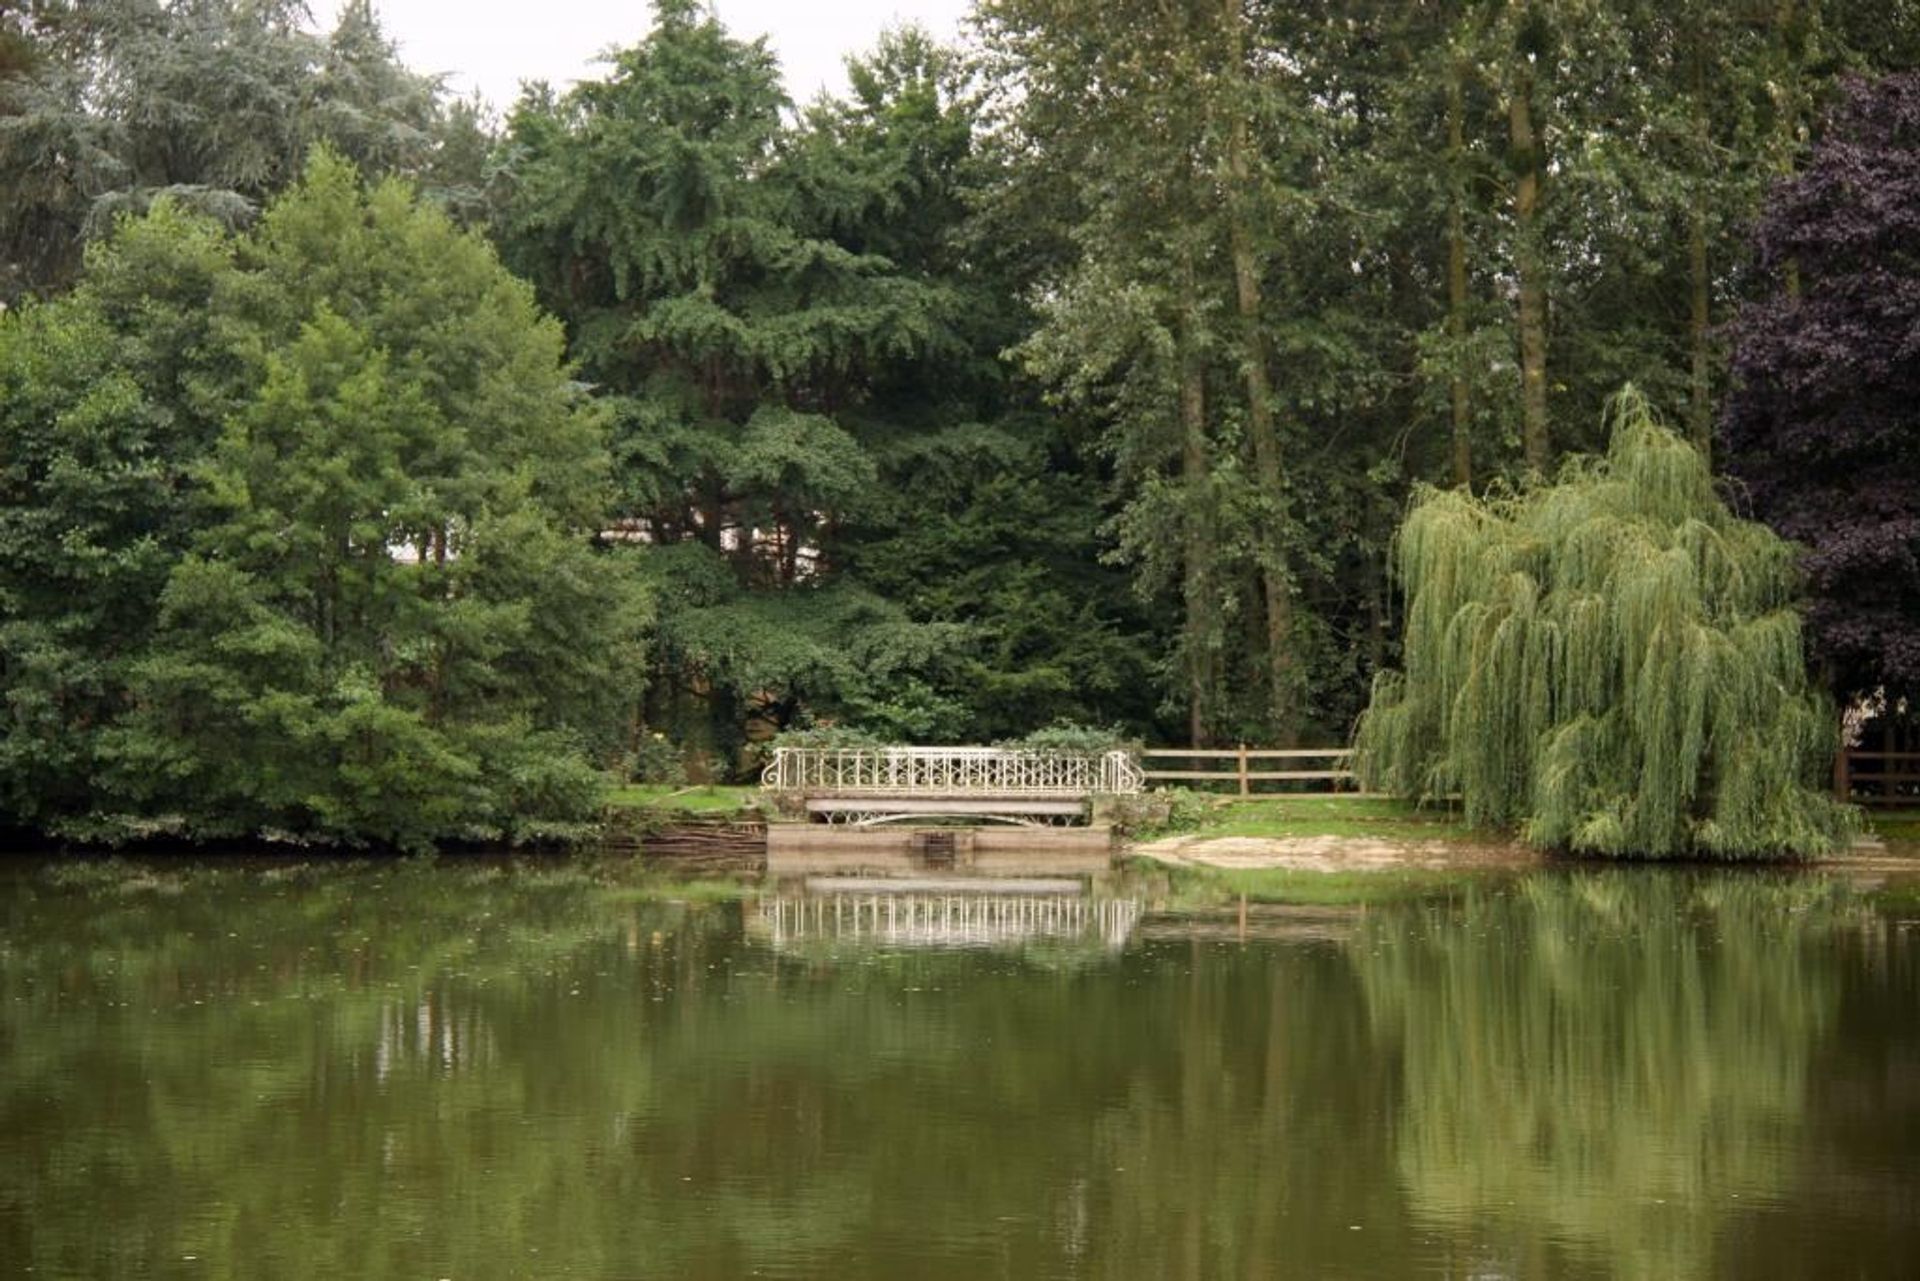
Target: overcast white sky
x: 492, y: 45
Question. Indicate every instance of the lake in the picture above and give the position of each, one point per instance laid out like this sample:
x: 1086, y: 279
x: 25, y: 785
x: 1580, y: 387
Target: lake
x: 502, y: 1068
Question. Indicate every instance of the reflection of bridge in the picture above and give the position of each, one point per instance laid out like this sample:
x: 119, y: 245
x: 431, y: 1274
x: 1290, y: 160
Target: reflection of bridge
x: 865, y: 786
x: 948, y: 920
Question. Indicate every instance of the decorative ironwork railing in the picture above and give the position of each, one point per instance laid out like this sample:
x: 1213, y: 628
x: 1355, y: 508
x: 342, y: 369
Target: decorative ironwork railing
x: 950, y: 771
x: 948, y: 920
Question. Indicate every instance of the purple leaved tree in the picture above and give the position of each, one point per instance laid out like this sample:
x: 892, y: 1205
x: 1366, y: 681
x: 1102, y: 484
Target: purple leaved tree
x: 1823, y: 422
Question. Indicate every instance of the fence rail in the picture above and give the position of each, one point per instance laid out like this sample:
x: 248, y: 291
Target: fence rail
x: 1896, y: 782
x: 1239, y: 767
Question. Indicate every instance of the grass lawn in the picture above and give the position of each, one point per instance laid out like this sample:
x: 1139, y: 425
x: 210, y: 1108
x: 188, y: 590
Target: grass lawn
x: 1332, y: 816
x: 683, y: 799
x: 1894, y: 825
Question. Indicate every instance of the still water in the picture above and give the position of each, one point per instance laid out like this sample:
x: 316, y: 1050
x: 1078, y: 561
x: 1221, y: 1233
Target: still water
x: 522, y: 1069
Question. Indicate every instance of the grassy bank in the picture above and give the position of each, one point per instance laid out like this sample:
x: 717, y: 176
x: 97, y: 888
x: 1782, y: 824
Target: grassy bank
x: 669, y: 799
x: 1383, y: 818
x: 1895, y: 825
x: 1388, y: 818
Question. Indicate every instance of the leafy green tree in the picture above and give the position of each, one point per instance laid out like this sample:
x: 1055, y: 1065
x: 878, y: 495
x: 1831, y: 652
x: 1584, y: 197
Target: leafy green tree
x: 307, y: 544
x: 653, y: 211
x: 106, y: 105
x: 986, y: 514
x: 1153, y: 120
x: 109, y: 399
x: 393, y: 612
x: 1613, y: 660
x: 801, y: 350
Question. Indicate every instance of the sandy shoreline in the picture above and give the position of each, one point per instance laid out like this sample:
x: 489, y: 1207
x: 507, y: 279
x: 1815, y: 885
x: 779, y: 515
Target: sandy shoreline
x: 1333, y: 854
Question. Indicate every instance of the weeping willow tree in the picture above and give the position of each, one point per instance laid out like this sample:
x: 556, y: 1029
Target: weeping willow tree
x: 1612, y: 662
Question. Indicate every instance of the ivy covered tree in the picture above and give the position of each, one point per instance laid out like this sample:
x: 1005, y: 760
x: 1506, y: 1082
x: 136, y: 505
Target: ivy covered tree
x: 323, y: 501
x: 1820, y: 425
x: 1612, y: 661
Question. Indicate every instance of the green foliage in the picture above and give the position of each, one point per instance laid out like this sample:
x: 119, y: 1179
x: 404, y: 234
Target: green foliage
x: 330, y: 498
x: 658, y: 760
x: 850, y: 518
x: 831, y: 646
x: 113, y: 104
x: 1081, y: 381
x: 829, y: 736
x: 1164, y: 811
x: 1613, y: 660
x: 1071, y: 737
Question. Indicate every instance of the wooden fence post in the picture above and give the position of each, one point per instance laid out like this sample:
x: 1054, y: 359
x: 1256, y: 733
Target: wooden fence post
x: 1842, y: 779
x: 1246, y: 788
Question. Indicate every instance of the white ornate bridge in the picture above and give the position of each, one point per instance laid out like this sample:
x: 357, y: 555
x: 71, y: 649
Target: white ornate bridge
x: 944, y: 920
x: 871, y: 785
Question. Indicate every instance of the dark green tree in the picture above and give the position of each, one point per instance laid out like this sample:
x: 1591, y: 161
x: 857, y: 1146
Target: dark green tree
x: 109, y: 399
x: 108, y: 104
x: 305, y: 542
x: 801, y: 349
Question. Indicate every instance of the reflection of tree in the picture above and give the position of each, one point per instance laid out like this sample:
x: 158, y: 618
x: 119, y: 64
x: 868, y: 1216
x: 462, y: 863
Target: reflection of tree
x: 369, y: 1070
x: 1854, y: 1208
x: 1606, y: 1062
x: 322, y: 1071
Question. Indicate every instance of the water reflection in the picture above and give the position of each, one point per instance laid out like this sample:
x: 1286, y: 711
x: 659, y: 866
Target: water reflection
x: 476, y: 1071
x: 1613, y: 1064
x: 944, y: 920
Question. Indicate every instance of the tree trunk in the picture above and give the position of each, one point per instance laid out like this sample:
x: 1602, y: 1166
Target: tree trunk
x: 1530, y: 269
x: 1198, y: 551
x: 1701, y: 407
x: 1700, y: 283
x: 1457, y: 273
x: 1789, y: 108
x: 1275, y: 581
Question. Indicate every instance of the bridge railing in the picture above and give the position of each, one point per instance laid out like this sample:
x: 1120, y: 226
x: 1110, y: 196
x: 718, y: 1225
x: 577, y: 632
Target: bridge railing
x: 950, y: 771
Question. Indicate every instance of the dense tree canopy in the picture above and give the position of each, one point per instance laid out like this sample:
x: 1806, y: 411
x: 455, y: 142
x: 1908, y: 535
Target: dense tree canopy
x: 105, y: 104
x: 299, y: 535
x: 1613, y: 660
x: 1821, y: 424
x: 1080, y: 375
x: 811, y: 421
x: 1317, y: 253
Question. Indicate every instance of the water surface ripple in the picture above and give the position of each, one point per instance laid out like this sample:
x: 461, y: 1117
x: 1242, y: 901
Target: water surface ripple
x: 502, y: 1069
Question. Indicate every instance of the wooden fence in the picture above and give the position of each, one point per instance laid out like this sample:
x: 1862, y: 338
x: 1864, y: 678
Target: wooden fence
x: 1862, y: 777
x: 1877, y: 778
x: 1302, y: 771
